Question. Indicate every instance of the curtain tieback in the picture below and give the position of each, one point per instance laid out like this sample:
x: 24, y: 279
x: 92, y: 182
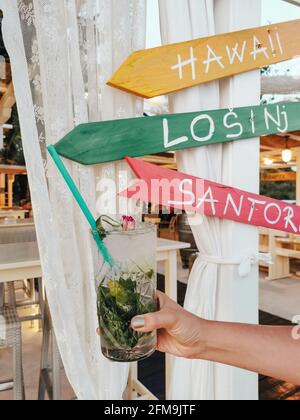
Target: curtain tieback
x: 244, y: 264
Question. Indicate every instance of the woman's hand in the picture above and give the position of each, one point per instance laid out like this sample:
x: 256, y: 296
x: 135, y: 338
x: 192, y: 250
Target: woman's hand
x: 179, y: 332
x: 271, y: 351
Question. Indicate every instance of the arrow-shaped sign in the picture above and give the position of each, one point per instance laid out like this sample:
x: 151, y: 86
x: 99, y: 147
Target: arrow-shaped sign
x: 170, y: 68
x: 109, y: 141
x: 181, y: 191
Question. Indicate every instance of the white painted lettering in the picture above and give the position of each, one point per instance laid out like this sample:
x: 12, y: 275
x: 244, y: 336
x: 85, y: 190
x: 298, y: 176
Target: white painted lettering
x: 271, y: 44
x: 211, y: 58
x: 208, y: 198
x: 192, y: 61
x: 289, y: 218
x: 232, y: 55
x: 279, y: 43
x: 272, y: 206
x: 277, y: 120
x: 232, y: 125
x: 285, y: 128
x: 171, y: 143
x: 253, y: 207
x: 258, y: 48
x: 252, y: 120
x: 230, y: 201
x: 186, y: 192
x: 211, y: 127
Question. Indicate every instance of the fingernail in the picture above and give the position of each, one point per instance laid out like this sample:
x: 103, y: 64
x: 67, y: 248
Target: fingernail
x: 138, y: 322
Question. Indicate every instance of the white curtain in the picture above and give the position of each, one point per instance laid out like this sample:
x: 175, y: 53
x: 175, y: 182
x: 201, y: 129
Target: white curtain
x: 70, y: 48
x: 211, y: 283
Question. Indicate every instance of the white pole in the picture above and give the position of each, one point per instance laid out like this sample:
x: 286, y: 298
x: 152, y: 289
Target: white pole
x: 237, y: 297
x: 297, y: 155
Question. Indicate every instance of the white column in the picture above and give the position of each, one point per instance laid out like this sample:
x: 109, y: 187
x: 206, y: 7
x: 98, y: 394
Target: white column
x: 297, y: 155
x: 235, y: 164
x: 237, y: 297
x: 171, y: 291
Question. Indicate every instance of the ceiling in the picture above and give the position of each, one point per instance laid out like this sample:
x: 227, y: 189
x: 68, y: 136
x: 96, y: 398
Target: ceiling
x: 271, y: 147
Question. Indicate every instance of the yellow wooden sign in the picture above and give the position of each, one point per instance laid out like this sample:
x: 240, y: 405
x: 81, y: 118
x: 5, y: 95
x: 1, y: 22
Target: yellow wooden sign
x: 170, y: 68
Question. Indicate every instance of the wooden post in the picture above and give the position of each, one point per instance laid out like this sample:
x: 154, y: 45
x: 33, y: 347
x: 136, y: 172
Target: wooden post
x: 2, y: 190
x: 11, y: 180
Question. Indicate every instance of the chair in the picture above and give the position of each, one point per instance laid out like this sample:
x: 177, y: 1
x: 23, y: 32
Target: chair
x: 32, y: 297
x: 11, y: 337
x: 32, y: 288
x: 170, y: 232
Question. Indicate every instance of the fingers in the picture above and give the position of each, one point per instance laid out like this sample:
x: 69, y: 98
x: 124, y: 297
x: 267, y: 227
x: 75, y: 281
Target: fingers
x: 164, y: 319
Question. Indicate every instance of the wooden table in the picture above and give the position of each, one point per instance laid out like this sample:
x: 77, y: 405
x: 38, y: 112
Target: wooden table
x: 167, y: 252
x: 17, y: 233
x: 282, y: 248
x: 17, y: 223
x: 19, y: 261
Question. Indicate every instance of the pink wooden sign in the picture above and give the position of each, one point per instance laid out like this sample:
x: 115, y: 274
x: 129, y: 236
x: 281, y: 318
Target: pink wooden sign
x: 185, y: 192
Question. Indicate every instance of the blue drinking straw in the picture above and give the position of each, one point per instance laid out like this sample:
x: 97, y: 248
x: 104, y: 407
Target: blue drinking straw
x: 82, y: 204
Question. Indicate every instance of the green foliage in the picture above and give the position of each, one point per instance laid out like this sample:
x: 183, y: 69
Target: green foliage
x: 279, y: 190
x: 109, y: 221
x: 118, y: 303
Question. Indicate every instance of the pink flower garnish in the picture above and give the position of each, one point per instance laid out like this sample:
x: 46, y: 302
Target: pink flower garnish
x: 128, y: 223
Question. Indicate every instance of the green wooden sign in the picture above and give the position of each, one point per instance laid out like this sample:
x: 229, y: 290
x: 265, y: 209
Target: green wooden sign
x: 109, y: 141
